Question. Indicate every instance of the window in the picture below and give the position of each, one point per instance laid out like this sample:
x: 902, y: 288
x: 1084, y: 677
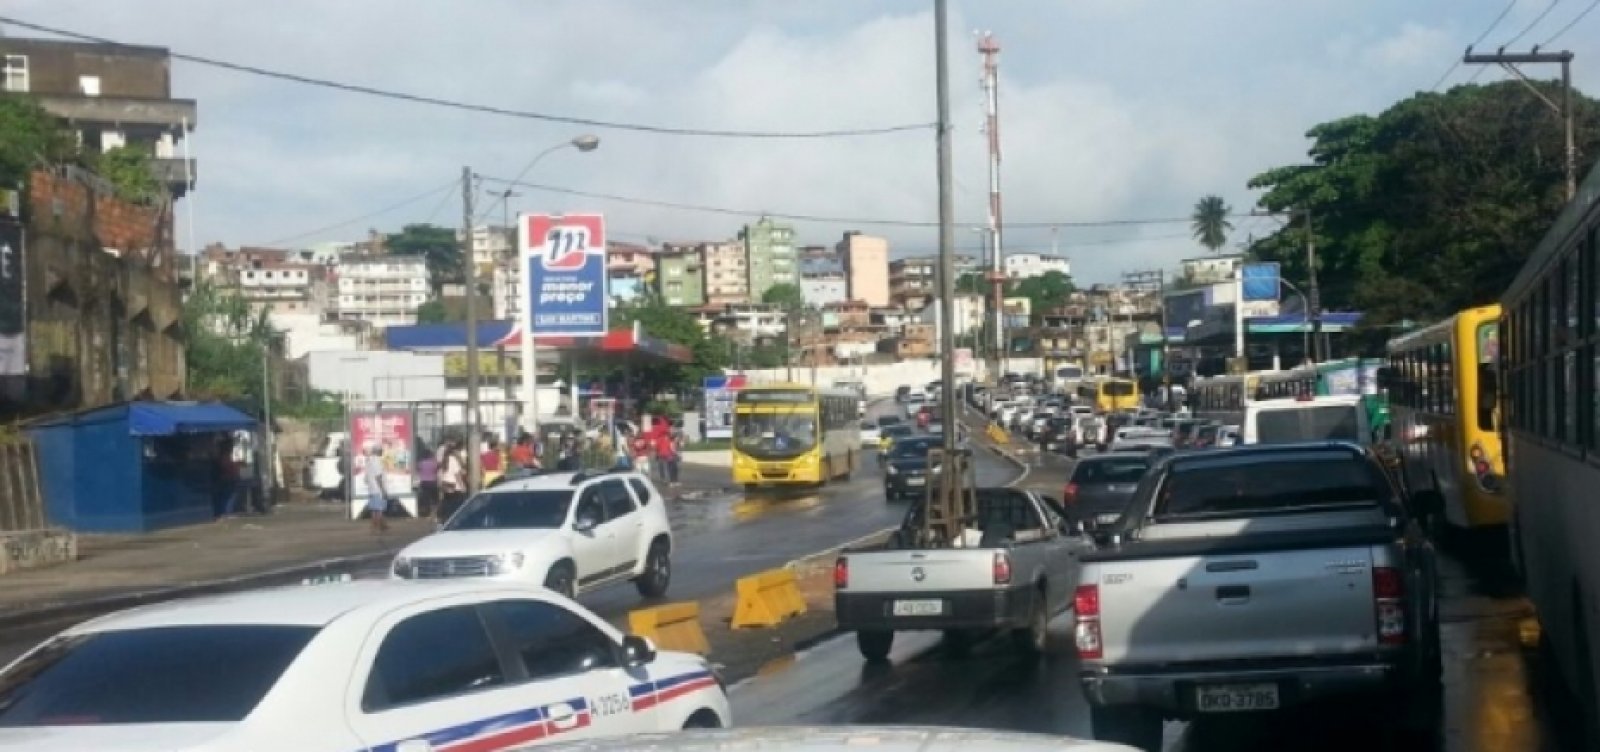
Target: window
x: 16, y: 73
x: 154, y: 675
x: 617, y: 501
x: 1211, y: 488
x: 89, y: 85
x: 640, y: 490
x: 430, y: 656
x: 553, y: 641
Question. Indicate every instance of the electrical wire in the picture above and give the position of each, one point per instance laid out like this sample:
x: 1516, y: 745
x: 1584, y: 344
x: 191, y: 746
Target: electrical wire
x: 1485, y: 35
x: 1572, y: 23
x: 1536, y: 20
x: 659, y: 130
x: 368, y: 215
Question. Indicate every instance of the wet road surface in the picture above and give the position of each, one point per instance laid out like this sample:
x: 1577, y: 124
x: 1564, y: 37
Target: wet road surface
x: 1494, y: 701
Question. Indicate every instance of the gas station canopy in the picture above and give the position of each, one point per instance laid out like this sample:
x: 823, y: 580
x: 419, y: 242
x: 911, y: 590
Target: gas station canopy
x: 619, y: 347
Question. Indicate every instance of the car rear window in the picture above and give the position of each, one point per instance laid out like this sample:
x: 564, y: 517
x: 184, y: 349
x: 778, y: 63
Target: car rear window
x: 1247, y: 485
x: 1111, y: 470
x: 191, y: 674
x: 1329, y: 422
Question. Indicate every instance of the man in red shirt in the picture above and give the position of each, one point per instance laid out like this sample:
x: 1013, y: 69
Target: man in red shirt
x: 667, y: 455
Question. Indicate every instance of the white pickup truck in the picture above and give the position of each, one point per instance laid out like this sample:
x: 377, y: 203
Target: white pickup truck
x: 1013, y: 571
x: 1255, y: 578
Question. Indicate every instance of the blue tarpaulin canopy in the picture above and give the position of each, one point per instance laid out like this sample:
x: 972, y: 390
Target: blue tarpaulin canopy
x: 168, y: 418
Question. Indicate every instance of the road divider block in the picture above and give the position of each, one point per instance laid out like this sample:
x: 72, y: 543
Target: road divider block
x: 674, y: 626
x: 998, y: 435
x: 766, y: 599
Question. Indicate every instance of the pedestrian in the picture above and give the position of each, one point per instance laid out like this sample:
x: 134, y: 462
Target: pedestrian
x: 427, y: 481
x: 229, y: 485
x: 667, y: 458
x: 377, y: 495
x: 641, y: 448
x: 522, y: 454
x: 452, y: 482
x: 493, y: 463
x: 569, y: 461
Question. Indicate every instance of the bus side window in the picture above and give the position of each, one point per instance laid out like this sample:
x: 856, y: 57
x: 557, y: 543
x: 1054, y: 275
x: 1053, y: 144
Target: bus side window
x: 1488, y: 396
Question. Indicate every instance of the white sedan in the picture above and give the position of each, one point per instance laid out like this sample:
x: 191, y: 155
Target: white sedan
x: 375, y: 665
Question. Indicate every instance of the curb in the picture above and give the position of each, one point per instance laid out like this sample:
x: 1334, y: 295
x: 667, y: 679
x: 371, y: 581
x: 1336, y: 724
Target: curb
x: 86, y: 609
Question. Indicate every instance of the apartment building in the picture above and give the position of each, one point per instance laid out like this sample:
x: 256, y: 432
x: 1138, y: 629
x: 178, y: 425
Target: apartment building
x: 1206, y: 270
x: 727, y: 275
x: 1025, y: 265
x: 818, y: 289
x: 680, y: 277
x: 381, y: 291
x: 912, y: 281
x: 110, y: 96
x: 770, y: 253
x: 866, y: 268
x: 492, y: 247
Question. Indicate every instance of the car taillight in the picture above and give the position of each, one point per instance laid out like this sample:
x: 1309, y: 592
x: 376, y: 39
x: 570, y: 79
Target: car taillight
x: 1002, y: 568
x: 1086, y: 621
x: 1069, y: 495
x: 841, y: 573
x: 1389, y: 594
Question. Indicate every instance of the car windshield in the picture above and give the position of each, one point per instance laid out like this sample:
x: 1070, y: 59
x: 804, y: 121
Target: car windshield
x: 913, y: 448
x: 1325, y: 423
x: 1111, y: 470
x: 1242, y: 486
x: 511, y: 510
x: 184, y: 674
x: 776, y: 435
x: 897, y: 431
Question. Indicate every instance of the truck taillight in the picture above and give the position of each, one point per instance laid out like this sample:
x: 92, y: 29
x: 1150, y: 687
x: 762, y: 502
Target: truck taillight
x: 841, y: 573
x: 1002, y: 568
x: 1086, y: 621
x: 1389, y: 595
x: 1069, y: 495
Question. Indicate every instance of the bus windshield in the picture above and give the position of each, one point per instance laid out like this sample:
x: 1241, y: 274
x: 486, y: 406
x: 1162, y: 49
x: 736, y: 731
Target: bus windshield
x: 776, y: 435
x: 1117, y: 389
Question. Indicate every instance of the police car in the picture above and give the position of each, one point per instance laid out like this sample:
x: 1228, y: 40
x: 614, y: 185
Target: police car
x: 381, y: 666
x: 571, y: 532
x: 846, y: 739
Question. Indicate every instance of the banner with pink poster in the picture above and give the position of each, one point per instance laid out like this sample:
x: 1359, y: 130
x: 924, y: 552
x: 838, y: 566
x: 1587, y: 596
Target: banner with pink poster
x: 383, y: 442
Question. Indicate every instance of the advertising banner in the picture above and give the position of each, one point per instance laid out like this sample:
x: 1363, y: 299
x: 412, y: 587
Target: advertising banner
x: 382, y: 442
x: 564, y: 261
x: 13, y: 312
x: 1260, y: 282
x: 720, y: 393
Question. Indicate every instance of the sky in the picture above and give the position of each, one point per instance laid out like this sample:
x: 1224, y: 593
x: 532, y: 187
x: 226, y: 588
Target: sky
x: 1111, y: 110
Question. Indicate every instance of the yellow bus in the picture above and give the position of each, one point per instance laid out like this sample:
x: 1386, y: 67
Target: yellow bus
x: 1444, y: 409
x: 1109, y: 395
x: 792, y: 434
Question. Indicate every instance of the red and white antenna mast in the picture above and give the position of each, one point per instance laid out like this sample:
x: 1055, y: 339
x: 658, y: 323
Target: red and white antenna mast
x: 989, y: 48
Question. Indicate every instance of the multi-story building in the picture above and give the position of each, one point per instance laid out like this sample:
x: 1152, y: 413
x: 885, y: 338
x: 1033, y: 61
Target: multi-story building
x: 628, y: 266
x: 866, y: 267
x: 912, y: 281
x: 727, y: 276
x: 110, y: 95
x: 680, y: 276
x: 491, y: 248
x: 382, y: 291
x: 1207, y: 270
x: 892, y: 320
x: 750, y: 322
x: 967, y: 313
x: 819, y: 289
x: 1025, y: 265
x: 769, y: 252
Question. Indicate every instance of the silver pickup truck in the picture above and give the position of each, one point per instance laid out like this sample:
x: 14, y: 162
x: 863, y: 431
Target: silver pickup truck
x: 1013, y: 570
x: 1255, y: 578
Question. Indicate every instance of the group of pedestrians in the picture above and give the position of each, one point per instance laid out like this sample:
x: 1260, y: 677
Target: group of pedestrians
x: 658, y: 452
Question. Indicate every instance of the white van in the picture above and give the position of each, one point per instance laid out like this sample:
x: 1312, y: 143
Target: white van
x: 1280, y: 421
x: 1064, y: 380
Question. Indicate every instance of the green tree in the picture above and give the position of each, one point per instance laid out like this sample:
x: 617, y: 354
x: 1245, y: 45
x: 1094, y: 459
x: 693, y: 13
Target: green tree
x: 225, y: 344
x: 127, y: 168
x: 1429, y: 207
x: 1045, y: 292
x: 30, y: 137
x: 438, y: 246
x: 674, y: 325
x: 433, y: 312
x: 1210, y: 222
x: 784, y: 295
x: 973, y: 283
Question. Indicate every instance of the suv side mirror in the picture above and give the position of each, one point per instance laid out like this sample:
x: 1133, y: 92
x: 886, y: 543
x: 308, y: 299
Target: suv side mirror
x: 637, y: 651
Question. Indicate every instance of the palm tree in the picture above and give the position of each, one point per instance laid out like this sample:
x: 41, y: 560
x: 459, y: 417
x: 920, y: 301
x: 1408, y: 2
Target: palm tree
x: 1210, y: 222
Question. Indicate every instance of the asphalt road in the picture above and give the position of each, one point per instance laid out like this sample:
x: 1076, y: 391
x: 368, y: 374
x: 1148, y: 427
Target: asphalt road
x: 723, y: 537
x: 1495, y: 698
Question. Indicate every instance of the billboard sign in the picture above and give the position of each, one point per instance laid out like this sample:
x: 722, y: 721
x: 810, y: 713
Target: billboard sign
x: 720, y: 393
x: 13, y: 318
x: 1260, y: 282
x: 564, y: 261
x: 381, y: 442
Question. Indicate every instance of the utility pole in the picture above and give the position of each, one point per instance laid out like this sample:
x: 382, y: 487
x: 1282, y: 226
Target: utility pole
x: 1509, y: 61
x: 474, y: 456
x: 989, y: 48
x: 1166, y: 345
x: 507, y: 263
x: 1313, y: 296
x: 947, y: 255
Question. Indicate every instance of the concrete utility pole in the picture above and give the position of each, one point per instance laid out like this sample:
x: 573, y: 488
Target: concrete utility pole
x: 474, y: 457
x: 1314, y: 295
x: 1563, y: 110
x: 947, y: 255
x: 989, y: 47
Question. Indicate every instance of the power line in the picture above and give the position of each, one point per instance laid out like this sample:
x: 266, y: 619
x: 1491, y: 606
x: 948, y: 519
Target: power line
x: 1535, y: 22
x: 1572, y: 23
x: 368, y: 215
x: 482, y: 108
x: 1485, y: 35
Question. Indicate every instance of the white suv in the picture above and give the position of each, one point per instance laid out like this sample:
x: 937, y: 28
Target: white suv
x: 571, y: 532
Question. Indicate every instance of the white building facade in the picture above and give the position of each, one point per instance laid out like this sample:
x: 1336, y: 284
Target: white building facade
x: 1025, y: 265
x: 818, y: 290
x: 383, y: 291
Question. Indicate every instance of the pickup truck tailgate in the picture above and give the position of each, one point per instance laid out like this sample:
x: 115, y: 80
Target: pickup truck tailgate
x: 929, y: 570
x: 1237, y: 605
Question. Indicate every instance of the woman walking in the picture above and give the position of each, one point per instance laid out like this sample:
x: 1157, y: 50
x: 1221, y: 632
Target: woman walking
x: 377, y: 496
x: 452, y: 482
x: 427, y: 481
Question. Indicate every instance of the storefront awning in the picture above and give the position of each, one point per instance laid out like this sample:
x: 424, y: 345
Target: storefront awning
x: 169, y: 418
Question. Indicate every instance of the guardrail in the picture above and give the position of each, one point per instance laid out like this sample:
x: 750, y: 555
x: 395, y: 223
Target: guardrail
x: 767, y: 599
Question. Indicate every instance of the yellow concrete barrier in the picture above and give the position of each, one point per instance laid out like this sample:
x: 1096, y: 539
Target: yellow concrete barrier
x: 766, y: 599
x: 998, y: 435
x: 675, y: 626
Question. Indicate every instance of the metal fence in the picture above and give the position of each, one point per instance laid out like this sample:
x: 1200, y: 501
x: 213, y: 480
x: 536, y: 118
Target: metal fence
x: 21, y: 498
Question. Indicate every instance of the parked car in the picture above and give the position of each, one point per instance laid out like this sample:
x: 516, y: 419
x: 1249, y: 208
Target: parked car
x: 1255, y: 578
x: 571, y: 532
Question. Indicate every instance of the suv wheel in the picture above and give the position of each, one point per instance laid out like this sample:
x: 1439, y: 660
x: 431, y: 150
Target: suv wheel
x: 657, y: 571
x: 562, y: 579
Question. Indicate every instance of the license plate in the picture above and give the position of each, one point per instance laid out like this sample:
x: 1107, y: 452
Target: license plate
x: 918, y: 608
x: 1235, y: 698
x: 1107, y: 519
x: 916, y: 481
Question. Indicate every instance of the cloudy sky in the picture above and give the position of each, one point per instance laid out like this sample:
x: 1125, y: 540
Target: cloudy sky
x: 1111, y: 109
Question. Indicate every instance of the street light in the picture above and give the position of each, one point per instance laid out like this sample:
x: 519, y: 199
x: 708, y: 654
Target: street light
x: 585, y: 142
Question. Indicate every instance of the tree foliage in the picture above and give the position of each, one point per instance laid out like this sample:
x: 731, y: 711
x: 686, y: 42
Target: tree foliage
x: 225, y: 344
x: 127, y: 168
x: 1429, y: 207
x: 677, y: 326
x: 1210, y: 222
x: 30, y: 137
x: 1045, y: 292
x: 784, y: 295
x: 438, y: 246
x: 433, y: 312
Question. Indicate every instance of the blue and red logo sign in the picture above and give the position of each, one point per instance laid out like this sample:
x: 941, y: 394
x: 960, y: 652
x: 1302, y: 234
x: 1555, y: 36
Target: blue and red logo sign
x: 564, y: 258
